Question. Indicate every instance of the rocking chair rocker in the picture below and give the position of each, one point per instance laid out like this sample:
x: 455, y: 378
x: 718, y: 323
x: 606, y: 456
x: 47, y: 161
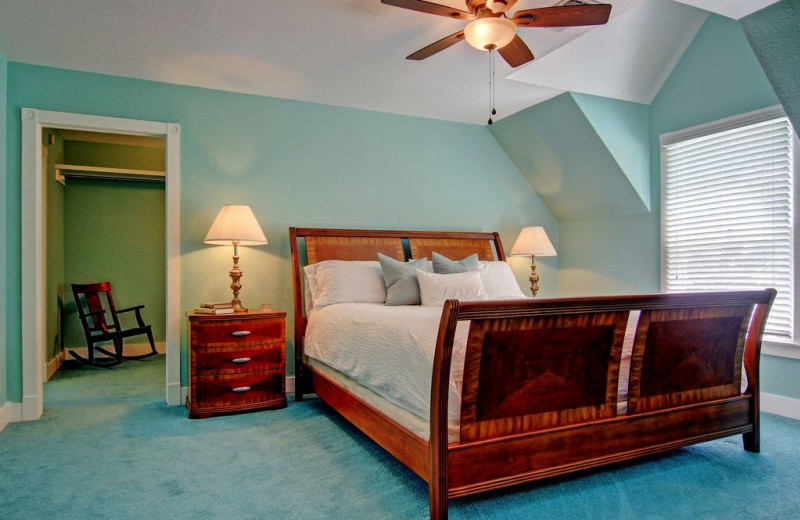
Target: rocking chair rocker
x: 92, y: 312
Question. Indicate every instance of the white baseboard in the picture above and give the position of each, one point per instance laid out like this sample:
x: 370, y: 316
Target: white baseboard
x: 780, y: 405
x: 184, y: 393
x: 131, y: 349
x: 10, y: 412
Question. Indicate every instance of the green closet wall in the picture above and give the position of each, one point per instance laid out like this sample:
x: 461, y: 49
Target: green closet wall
x: 54, y: 243
x: 114, y: 231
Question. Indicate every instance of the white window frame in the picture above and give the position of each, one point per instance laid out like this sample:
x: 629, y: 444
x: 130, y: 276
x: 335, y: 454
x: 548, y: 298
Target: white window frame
x: 771, y: 346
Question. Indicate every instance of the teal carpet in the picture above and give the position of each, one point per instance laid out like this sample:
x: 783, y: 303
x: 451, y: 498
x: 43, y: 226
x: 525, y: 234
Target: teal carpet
x: 108, y: 447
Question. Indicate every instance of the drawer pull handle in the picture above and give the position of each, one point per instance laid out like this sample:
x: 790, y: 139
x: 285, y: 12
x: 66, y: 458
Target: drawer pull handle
x: 240, y: 389
x: 241, y: 359
x: 240, y: 333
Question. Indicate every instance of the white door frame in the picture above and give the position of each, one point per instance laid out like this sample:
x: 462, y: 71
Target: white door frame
x: 33, y: 243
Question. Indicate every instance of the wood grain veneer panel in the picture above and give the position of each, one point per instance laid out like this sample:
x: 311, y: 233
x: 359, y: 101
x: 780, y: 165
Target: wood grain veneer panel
x: 505, y: 461
x: 540, y: 372
x: 453, y: 248
x: 683, y: 356
x: 320, y: 248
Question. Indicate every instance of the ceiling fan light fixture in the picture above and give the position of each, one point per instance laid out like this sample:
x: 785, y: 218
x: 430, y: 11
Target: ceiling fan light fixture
x: 490, y: 33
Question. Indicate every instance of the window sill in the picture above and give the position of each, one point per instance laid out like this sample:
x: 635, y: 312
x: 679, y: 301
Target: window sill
x: 780, y: 348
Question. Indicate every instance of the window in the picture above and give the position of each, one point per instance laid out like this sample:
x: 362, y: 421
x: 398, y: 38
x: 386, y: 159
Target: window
x: 727, y: 210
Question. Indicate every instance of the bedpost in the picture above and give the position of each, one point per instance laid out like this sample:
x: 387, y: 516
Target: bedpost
x: 299, y: 372
x: 752, y: 354
x: 440, y: 387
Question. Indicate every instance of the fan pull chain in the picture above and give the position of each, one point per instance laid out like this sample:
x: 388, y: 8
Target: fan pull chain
x: 492, y: 111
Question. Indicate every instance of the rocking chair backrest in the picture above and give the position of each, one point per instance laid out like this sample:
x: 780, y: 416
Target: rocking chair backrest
x: 89, y: 300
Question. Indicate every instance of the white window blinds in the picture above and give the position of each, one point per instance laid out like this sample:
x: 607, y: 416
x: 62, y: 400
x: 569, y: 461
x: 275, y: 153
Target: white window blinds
x: 727, y: 219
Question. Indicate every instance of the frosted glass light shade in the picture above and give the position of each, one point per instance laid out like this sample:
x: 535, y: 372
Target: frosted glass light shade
x: 490, y: 33
x: 533, y: 241
x: 235, y: 224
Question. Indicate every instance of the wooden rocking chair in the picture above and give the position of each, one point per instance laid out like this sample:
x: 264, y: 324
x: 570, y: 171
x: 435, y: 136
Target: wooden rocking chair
x: 92, y: 311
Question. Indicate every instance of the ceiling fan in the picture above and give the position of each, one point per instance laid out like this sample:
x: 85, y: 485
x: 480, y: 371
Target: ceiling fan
x: 492, y: 29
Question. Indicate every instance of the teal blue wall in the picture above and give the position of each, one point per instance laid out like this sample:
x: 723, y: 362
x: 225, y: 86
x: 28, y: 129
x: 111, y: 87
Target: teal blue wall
x: 294, y: 163
x: 779, y: 376
x: 775, y: 38
x: 623, y: 128
x: 563, y: 156
x: 4, y: 227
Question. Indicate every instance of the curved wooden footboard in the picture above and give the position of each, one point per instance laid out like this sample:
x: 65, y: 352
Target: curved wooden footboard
x: 541, y: 382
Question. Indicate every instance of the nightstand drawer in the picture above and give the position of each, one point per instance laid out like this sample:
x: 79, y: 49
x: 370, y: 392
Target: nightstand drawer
x: 238, y: 390
x: 232, y: 360
x: 232, y: 332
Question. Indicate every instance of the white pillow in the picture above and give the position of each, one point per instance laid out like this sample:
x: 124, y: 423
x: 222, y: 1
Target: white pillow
x: 499, y: 281
x: 436, y: 288
x: 342, y: 281
x: 309, y: 286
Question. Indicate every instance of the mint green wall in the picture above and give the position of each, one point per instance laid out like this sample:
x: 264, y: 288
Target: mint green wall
x: 5, y: 231
x: 54, y: 276
x: 562, y: 156
x: 623, y: 127
x: 779, y: 376
x: 775, y: 38
x: 114, y: 231
x: 114, y: 155
x: 294, y: 163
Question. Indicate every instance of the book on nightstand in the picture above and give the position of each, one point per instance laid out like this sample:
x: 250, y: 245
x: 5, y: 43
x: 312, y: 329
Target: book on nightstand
x: 221, y: 305
x: 220, y: 310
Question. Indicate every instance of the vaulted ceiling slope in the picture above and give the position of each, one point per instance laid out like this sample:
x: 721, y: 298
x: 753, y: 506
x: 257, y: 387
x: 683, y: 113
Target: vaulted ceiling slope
x: 349, y: 52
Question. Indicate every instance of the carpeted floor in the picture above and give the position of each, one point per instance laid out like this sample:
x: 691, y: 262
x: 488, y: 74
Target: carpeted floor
x: 108, y: 447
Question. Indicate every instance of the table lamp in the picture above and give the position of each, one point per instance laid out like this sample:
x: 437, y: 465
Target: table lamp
x: 238, y: 226
x: 533, y: 241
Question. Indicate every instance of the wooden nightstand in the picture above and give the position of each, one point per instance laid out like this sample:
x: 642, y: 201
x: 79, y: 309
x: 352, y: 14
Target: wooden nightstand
x: 237, y: 363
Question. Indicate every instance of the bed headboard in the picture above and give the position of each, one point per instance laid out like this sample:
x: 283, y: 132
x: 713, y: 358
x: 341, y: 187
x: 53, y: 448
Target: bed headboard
x: 365, y: 244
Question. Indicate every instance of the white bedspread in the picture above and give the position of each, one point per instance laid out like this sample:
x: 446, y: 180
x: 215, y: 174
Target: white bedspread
x: 387, y: 349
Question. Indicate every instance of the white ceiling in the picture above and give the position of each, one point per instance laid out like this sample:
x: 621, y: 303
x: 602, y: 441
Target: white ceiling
x: 352, y: 52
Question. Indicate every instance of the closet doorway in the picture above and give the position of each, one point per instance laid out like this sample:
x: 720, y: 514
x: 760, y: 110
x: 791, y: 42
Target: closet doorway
x: 35, y: 341
x: 104, y: 198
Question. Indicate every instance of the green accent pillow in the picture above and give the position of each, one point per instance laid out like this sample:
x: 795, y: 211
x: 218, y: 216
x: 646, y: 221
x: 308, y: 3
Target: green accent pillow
x: 443, y: 265
x: 400, y: 278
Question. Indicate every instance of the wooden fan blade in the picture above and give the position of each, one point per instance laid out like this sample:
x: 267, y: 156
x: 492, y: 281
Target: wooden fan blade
x: 516, y: 53
x: 564, y: 16
x: 435, y: 47
x: 430, y: 8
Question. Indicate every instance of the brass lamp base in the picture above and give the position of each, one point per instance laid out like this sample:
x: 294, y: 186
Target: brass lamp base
x: 534, y: 278
x: 236, y: 274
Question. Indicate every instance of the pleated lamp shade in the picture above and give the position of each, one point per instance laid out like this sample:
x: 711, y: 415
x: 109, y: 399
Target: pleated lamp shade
x: 533, y: 241
x: 235, y: 223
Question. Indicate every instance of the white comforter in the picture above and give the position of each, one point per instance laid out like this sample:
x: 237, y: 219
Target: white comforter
x: 387, y: 349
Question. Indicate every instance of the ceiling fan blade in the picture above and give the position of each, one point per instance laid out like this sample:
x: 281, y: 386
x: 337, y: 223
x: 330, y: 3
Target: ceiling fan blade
x: 435, y: 47
x: 430, y: 8
x: 564, y: 16
x: 516, y: 53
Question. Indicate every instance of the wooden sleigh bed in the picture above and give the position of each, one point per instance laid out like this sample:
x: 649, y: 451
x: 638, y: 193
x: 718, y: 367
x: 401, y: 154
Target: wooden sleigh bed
x: 541, y: 376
